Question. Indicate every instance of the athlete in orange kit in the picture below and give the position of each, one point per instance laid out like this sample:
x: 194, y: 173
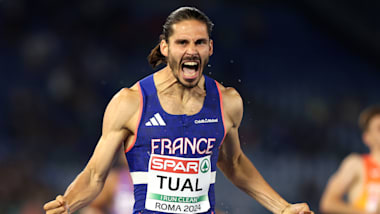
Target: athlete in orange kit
x: 359, y: 175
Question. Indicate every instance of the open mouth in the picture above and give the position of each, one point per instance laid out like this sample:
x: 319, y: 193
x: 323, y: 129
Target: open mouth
x: 190, y: 70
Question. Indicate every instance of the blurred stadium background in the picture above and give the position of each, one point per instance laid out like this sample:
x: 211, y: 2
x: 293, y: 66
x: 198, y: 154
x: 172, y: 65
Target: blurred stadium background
x: 305, y: 70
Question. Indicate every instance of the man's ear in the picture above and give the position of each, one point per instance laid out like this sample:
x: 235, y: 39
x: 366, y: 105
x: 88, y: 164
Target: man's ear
x: 211, y: 48
x: 164, y: 48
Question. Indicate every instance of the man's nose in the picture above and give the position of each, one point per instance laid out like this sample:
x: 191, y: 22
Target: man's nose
x: 191, y: 49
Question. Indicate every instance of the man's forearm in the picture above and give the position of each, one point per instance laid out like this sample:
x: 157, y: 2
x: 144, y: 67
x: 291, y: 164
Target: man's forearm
x: 83, y: 190
x: 245, y: 176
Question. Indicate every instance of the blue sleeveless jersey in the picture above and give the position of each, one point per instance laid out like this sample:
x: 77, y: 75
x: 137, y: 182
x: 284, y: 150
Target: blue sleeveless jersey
x: 182, y: 136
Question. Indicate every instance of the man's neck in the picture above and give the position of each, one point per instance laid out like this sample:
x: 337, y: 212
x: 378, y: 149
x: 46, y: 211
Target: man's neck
x: 167, y: 84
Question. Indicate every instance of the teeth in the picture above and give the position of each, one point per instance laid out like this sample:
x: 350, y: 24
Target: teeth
x: 190, y: 63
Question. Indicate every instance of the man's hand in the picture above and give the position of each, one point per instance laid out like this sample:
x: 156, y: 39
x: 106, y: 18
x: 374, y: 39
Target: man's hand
x: 302, y: 208
x: 57, y: 206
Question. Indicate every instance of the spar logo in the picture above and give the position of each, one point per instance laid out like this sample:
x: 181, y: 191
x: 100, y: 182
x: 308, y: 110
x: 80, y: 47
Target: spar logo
x: 174, y: 165
x: 205, y: 165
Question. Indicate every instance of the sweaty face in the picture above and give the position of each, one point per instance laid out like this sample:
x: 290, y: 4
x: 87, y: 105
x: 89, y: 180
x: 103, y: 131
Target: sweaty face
x: 372, y: 135
x: 188, y: 51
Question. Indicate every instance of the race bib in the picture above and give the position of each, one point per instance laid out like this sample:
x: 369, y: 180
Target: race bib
x: 178, y: 185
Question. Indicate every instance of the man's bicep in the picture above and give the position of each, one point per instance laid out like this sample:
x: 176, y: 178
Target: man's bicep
x: 233, y: 107
x: 230, y: 150
x: 121, y: 111
x: 118, y: 114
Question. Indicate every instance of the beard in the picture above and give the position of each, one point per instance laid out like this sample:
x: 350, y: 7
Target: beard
x: 176, y: 67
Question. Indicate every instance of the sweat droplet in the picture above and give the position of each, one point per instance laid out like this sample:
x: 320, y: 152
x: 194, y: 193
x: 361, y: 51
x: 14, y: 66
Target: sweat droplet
x: 209, y: 65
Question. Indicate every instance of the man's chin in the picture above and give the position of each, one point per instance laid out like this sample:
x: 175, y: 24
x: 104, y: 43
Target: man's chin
x: 188, y: 84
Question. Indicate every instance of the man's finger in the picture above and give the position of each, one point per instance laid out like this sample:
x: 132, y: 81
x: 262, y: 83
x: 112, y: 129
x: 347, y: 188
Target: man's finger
x: 52, y: 205
x: 60, y: 199
x: 59, y: 210
x: 301, y: 208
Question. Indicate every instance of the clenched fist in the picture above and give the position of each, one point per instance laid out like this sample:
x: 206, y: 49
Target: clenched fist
x: 57, y: 206
x: 302, y: 208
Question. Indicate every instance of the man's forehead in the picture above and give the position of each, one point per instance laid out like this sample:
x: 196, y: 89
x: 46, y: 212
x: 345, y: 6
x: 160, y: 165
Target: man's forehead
x: 190, y: 28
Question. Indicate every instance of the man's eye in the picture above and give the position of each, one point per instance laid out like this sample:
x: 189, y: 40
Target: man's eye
x: 201, y: 42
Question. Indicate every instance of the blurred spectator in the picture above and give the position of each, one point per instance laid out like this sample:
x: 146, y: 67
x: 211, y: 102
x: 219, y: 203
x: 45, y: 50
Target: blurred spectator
x: 358, y: 177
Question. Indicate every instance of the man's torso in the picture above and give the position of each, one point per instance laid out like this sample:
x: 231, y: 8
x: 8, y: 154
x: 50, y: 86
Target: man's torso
x: 173, y: 160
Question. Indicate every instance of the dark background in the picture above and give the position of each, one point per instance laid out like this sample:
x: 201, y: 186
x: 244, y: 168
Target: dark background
x: 305, y: 70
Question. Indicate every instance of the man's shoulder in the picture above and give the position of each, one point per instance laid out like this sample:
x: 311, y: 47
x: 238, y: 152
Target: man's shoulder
x: 228, y: 92
x: 232, y: 104
x: 353, y: 161
x: 122, y: 109
x: 131, y: 94
x: 126, y: 99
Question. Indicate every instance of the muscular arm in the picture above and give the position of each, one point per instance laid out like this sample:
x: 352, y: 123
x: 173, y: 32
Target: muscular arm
x: 118, y: 117
x: 102, y: 203
x: 338, y: 185
x: 89, y: 183
x: 234, y: 163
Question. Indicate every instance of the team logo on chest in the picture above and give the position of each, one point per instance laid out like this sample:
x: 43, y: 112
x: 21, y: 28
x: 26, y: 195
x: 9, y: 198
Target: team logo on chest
x: 156, y: 120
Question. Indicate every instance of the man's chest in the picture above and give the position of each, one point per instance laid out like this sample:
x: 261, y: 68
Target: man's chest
x: 177, y: 106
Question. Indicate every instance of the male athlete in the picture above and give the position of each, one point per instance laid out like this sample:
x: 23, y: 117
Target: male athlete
x: 175, y: 126
x: 358, y: 177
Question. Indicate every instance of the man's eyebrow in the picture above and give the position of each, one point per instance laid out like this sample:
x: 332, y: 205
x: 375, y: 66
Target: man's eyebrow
x: 202, y: 40
x: 181, y: 40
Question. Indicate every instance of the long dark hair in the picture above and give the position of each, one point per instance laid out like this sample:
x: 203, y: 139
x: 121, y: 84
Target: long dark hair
x: 155, y: 58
